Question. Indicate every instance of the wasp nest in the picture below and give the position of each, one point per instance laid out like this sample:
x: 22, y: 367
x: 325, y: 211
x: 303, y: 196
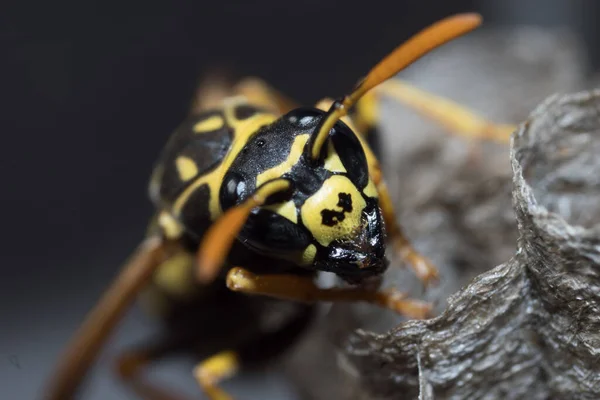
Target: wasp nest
x: 529, y: 328
x: 523, y: 328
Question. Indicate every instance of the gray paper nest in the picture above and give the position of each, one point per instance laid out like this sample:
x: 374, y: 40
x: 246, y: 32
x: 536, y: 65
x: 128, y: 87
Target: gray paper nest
x: 515, y: 232
x: 529, y: 328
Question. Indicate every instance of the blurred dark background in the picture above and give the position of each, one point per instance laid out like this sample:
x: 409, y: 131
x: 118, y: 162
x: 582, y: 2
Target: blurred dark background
x: 91, y: 91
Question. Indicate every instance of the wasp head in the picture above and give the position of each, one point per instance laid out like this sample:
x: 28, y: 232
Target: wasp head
x: 329, y: 219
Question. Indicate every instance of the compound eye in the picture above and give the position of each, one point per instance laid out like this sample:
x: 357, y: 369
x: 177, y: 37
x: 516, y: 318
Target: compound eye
x: 233, y: 190
x: 351, y: 154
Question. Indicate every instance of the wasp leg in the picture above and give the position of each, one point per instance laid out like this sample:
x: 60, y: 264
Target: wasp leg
x: 365, y: 116
x: 457, y: 118
x: 215, y: 88
x: 260, y: 93
x: 257, y: 350
x: 211, y: 91
x: 304, y: 289
x: 87, y: 343
x: 421, y: 266
x: 215, y: 369
x: 129, y: 368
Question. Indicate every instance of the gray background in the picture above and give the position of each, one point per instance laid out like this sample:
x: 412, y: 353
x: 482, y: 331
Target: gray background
x: 90, y: 93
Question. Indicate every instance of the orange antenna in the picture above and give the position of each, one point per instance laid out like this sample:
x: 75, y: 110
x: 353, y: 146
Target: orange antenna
x: 407, y: 53
x: 220, y: 236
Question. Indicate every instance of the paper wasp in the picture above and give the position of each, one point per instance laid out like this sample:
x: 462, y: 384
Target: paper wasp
x: 254, y: 196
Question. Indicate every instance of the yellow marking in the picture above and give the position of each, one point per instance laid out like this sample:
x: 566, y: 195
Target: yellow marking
x: 219, y: 365
x: 170, y: 226
x: 327, y: 198
x: 209, y: 124
x: 308, y: 256
x: 186, y: 167
x: 175, y: 275
x: 370, y: 190
x: 213, y: 370
x: 333, y: 162
x: 242, y: 130
x: 286, y: 210
x: 286, y: 166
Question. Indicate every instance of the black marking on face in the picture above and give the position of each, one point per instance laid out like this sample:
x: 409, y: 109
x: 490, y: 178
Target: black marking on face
x: 344, y: 140
x: 307, y: 181
x: 333, y: 217
x: 345, y: 202
x: 245, y: 111
x: 195, y: 212
x: 267, y: 148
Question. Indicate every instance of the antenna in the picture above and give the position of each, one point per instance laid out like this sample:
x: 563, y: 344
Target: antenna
x: 407, y: 53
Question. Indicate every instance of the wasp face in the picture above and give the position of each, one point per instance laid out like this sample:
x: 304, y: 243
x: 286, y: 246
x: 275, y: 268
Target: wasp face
x: 330, y: 219
x: 348, y: 227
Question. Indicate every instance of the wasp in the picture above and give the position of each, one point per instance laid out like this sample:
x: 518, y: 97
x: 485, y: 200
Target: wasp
x: 254, y: 196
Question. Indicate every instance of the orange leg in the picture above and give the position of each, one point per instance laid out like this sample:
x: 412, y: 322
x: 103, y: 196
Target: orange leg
x: 456, y: 118
x: 88, y: 341
x: 213, y: 370
x: 304, y: 289
x: 130, y: 367
x: 422, y: 267
x: 214, y: 89
x: 259, y: 93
